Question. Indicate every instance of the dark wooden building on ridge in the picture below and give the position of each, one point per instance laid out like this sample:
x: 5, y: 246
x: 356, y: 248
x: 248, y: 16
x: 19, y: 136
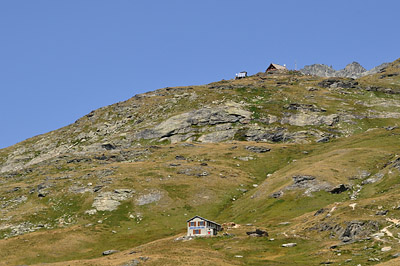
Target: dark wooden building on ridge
x: 275, y: 67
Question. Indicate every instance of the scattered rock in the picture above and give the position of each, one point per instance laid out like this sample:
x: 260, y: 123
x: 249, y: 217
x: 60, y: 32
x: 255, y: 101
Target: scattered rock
x: 180, y: 157
x: 257, y: 149
x: 382, y: 212
x: 320, y: 211
x: 396, y: 255
x: 91, y: 212
x: 391, y: 128
x: 193, y: 171
x: 277, y: 194
x: 131, y: 263
x: 245, y: 158
x: 386, y: 249
x: 109, y: 252
x: 257, y: 233
x: 304, y: 107
x: 184, y: 238
x: 108, y: 146
x: 289, y: 245
x: 323, y: 140
x: 339, y: 189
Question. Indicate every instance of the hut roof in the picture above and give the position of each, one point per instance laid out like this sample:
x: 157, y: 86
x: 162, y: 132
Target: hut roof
x: 202, y: 219
x: 276, y: 66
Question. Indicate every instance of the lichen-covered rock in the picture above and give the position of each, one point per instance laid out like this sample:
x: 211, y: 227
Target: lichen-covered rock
x: 182, y: 123
x: 109, y: 201
x: 151, y: 197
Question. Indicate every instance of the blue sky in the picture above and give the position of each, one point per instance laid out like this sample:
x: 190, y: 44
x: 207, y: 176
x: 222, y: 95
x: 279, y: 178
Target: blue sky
x: 61, y: 59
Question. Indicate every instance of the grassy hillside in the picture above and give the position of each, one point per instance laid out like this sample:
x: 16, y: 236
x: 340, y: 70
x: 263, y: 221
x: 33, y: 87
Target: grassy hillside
x: 127, y: 176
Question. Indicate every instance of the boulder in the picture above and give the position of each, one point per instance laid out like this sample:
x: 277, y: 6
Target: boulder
x: 382, y: 212
x: 323, y: 140
x: 257, y: 233
x: 320, y: 211
x: 257, y: 149
x: 277, y: 194
x: 109, y: 252
x: 289, y: 245
x: 339, y: 189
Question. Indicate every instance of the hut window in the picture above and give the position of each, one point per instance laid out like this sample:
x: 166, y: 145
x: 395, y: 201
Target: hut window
x: 192, y: 224
x: 201, y: 223
x: 196, y: 232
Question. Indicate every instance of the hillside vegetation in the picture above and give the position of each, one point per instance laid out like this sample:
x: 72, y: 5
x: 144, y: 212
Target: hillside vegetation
x: 313, y: 161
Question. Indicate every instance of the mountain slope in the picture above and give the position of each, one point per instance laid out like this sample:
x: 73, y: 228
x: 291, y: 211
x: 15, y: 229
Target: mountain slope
x: 311, y: 160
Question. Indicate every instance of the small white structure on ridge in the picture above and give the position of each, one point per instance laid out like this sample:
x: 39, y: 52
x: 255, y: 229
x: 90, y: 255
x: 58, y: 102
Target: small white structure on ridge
x: 241, y: 75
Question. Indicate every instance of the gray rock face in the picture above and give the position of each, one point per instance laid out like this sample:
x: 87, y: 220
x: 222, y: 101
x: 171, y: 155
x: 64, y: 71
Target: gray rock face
x: 376, y: 69
x: 353, y: 70
x: 310, y: 119
x: 338, y: 83
x: 309, y: 183
x: 182, y: 124
x: 319, y: 70
x: 274, y: 135
x: 377, y: 177
x: 356, y: 230
x: 109, y: 201
x: 218, y: 136
x: 149, y: 198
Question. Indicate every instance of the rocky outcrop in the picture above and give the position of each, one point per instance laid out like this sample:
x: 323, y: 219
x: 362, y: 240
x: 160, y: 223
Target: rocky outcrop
x: 151, y: 197
x: 218, y: 136
x: 319, y: 70
x: 307, y: 119
x: 306, y: 182
x: 109, y: 201
x: 356, y: 230
x: 338, y: 83
x: 353, y: 70
x: 186, y: 122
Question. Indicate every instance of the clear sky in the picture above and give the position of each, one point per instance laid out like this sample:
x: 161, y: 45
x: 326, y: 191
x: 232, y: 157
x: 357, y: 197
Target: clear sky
x: 61, y: 59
